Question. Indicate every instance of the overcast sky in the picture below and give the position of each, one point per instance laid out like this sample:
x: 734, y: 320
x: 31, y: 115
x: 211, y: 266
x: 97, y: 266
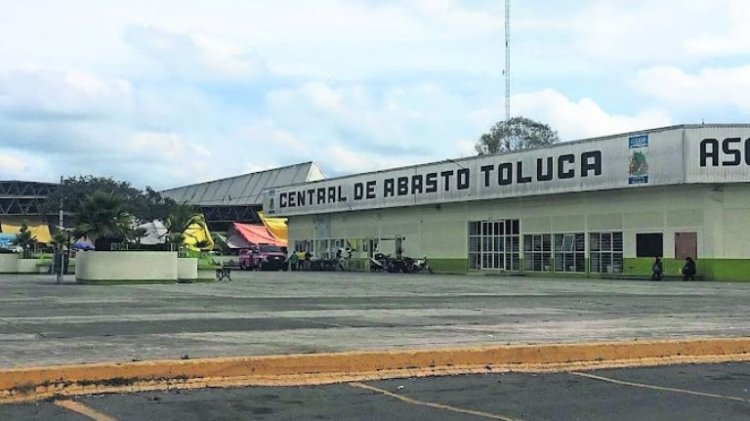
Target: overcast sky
x: 171, y: 92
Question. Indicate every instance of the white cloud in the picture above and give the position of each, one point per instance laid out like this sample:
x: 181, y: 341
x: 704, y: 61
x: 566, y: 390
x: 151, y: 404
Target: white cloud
x: 710, y: 86
x: 638, y: 31
x: 264, y: 135
x: 465, y: 147
x: 12, y: 165
x: 40, y: 93
x: 730, y: 38
x: 21, y: 166
x: 172, y: 155
x: 197, y: 55
x: 582, y: 118
x: 346, y: 161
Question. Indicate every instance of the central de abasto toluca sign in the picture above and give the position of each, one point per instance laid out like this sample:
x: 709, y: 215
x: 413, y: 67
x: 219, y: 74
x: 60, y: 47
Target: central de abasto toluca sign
x: 660, y: 157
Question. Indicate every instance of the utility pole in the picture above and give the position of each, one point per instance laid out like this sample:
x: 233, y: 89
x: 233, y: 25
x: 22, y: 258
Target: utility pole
x: 61, y: 228
x: 507, y: 60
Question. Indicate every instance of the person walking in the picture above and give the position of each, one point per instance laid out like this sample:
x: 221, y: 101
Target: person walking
x: 657, y: 270
x: 688, y: 271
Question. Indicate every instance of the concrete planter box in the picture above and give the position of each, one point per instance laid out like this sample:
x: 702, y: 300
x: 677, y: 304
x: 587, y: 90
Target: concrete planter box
x: 126, y: 267
x: 9, y: 263
x: 206, y: 275
x: 27, y: 266
x: 187, y: 269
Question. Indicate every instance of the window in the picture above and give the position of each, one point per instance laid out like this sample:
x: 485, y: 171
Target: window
x: 570, y: 252
x: 537, y: 252
x: 303, y: 245
x: 649, y: 245
x: 321, y: 249
x: 494, y: 245
x: 606, y: 252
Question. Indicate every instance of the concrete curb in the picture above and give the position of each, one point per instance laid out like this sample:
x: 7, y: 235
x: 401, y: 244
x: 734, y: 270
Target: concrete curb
x: 27, y: 384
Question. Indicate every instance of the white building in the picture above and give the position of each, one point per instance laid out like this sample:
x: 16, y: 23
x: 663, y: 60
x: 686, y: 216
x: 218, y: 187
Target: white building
x: 596, y: 207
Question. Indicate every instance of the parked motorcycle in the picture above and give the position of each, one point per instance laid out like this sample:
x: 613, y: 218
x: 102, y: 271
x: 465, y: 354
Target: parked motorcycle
x: 379, y: 262
x: 419, y: 265
x: 385, y: 263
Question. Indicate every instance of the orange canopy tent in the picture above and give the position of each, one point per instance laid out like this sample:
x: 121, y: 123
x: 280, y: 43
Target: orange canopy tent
x: 256, y: 234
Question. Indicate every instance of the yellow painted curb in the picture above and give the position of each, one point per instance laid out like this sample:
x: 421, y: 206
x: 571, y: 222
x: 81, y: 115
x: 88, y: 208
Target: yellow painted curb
x: 33, y: 383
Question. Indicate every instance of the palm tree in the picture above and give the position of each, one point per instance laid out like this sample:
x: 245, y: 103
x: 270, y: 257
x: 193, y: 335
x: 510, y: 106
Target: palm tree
x: 136, y: 234
x: 102, y: 218
x: 180, y: 218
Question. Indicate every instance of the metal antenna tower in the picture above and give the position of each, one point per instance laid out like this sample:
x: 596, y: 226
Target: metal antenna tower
x: 507, y: 60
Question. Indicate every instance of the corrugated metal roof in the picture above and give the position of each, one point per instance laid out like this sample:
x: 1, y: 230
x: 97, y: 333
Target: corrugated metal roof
x: 244, y: 189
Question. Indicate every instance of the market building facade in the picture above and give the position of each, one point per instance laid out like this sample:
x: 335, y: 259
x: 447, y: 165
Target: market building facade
x: 597, y: 207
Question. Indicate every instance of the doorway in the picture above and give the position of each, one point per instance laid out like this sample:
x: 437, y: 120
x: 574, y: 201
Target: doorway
x: 685, y: 245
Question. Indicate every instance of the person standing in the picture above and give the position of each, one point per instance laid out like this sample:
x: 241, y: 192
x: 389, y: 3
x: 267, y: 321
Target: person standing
x: 293, y: 261
x: 657, y: 270
x: 308, y: 257
x: 688, y: 271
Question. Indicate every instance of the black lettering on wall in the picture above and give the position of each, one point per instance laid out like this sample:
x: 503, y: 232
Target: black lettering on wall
x: 487, y: 171
x: 416, y: 184
x: 332, y: 194
x: 505, y: 174
x: 713, y: 154
x: 402, y: 186
x: 341, y: 197
x: 519, y: 174
x: 747, y: 151
x: 464, y: 175
x: 591, y: 161
x: 290, y: 200
x: 728, y: 149
x: 282, y: 200
x: 541, y: 173
x: 300, y: 198
x: 370, y: 190
x: 431, y: 182
x: 562, y: 173
x: 310, y: 195
x: 321, y: 195
x: 359, y: 191
x: 388, y: 187
x: 447, y: 179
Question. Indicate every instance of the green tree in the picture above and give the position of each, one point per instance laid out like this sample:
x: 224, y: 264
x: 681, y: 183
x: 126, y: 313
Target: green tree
x: 59, y: 239
x: 103, y: 219
x: 143, y: 205
x: 136, y: 234
x: 25, y: 239
x: 515, y: 134
x: 181, y: 216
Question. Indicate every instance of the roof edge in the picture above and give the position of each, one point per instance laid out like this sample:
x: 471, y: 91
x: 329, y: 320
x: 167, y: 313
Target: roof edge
x: 239, y: 176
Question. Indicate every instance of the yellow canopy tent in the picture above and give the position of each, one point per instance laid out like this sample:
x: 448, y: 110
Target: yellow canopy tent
x: 276, y: 226
x: 197, y: 233
x: 39, y: 229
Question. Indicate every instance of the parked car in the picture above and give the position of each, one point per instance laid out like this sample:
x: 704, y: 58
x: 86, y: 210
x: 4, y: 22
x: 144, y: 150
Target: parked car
x: 263, y: 257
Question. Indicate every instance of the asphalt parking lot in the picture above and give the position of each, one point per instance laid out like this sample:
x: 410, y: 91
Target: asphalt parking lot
x: 264, y: 313
x: 683, y: 392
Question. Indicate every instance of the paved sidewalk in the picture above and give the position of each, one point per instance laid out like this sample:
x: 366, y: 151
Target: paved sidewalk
x: 280, y: 313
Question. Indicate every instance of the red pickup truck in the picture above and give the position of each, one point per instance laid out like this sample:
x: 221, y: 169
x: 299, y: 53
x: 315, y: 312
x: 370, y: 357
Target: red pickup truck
x: 263, y: 257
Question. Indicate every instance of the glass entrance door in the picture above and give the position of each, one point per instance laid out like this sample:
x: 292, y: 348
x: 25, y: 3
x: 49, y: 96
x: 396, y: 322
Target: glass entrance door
x: 494, y: 245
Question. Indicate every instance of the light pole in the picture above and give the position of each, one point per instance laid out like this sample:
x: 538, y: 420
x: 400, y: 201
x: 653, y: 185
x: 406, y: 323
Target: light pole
x: 507, y: 60
x: 61, y: 227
